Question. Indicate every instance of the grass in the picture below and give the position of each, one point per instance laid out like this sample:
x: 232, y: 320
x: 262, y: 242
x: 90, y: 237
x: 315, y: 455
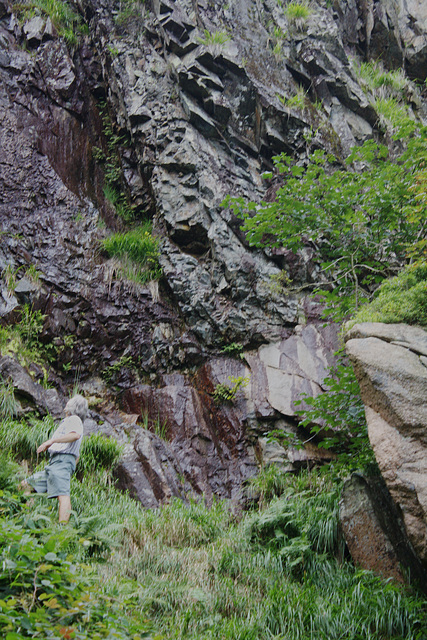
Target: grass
x: 298, y: 101
x: 395, y: 115
x: 199, y: 572
x: 387, y: 89
x: 21, y: 438
x: 400, y: 299
x: 98, y: 453
x: 8, y: 404
x: 138, y: 252
x: 130, y: 10
x: 214, y: 38
x: 297, y: 12
x: 375, y: 78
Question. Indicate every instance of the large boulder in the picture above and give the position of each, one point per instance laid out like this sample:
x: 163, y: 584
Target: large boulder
x: 390, y: 364
x: 374, y: 531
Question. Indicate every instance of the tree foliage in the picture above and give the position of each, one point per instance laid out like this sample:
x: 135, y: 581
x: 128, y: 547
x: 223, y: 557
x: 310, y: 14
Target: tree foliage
x: 363, y: 219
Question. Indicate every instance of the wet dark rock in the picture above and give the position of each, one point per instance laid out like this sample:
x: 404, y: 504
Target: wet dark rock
x: 4, y: 8
x: 30, y: 393
x: 207, y: 443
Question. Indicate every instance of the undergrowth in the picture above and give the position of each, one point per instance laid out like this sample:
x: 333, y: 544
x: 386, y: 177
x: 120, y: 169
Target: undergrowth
x: 195, y: 571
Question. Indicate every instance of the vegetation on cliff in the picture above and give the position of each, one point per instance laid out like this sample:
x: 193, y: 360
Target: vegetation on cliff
x: 365, y: 221
x: 400, y: 299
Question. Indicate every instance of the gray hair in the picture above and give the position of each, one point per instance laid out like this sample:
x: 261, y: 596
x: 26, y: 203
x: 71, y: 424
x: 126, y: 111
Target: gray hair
x: 77, y: 406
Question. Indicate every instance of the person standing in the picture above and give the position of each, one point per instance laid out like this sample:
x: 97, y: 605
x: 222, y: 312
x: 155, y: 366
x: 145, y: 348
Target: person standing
x: 63, y: 448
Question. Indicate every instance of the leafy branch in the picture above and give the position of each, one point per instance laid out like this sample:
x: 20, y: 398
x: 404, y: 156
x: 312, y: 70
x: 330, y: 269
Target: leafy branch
x: 365, y: 219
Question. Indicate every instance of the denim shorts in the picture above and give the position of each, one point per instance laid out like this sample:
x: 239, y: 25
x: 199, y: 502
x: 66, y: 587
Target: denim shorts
x: 55, y: 478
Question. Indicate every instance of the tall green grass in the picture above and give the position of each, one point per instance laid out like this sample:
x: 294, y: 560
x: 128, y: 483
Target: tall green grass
x: 98, y: 453
x: 138, y: 252
x: 21, y: 438
x: 200, y: 572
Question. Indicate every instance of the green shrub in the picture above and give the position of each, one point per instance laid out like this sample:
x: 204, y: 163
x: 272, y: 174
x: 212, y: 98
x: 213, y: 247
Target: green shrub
x: 98, y: 453
x: 10, y: 471
x: 337, y: 417
x: 362, y: 223
x: 400, y: 299
x: 297, y: 524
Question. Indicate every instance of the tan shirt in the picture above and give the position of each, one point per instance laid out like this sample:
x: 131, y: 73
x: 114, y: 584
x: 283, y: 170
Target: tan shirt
x: 68, y: 425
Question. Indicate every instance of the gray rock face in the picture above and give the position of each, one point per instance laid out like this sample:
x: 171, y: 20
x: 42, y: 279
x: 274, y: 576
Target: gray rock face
x: 393, y: 384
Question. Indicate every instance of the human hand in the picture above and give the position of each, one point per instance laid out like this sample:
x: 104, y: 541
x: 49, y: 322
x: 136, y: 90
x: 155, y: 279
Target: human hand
x: 45, y: 445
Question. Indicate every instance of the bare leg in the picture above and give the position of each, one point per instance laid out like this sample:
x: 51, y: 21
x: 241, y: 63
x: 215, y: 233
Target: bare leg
x: 64, y: 508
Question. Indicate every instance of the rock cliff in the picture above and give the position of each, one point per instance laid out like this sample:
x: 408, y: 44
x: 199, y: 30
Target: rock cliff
x: 390, y: 363
x: 188, y: 102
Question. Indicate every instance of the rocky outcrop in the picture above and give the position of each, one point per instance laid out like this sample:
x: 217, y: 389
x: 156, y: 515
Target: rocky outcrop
x: 375, y: 533
x: 391, y: 365
x: 29, y: 394
x: 392, y: 30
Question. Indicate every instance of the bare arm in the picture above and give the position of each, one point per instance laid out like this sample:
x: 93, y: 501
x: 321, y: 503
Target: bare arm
x: 70, y: 437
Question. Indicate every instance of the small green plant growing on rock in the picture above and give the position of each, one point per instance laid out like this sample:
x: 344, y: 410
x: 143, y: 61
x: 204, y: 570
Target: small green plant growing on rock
x: 123, y: 362
x: 67, y: 22
x: 138, y: 252
x: 298, y: 101
x: 386, y: 91
x: 297, y: 13
x: 214, y: 38
x: 109, y: 159
x: 225, y: 394
x: 130, y: 11
x: 9, y: 276
x: 375, y: 77
x: 233, y: 349
x: 394, y: 115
